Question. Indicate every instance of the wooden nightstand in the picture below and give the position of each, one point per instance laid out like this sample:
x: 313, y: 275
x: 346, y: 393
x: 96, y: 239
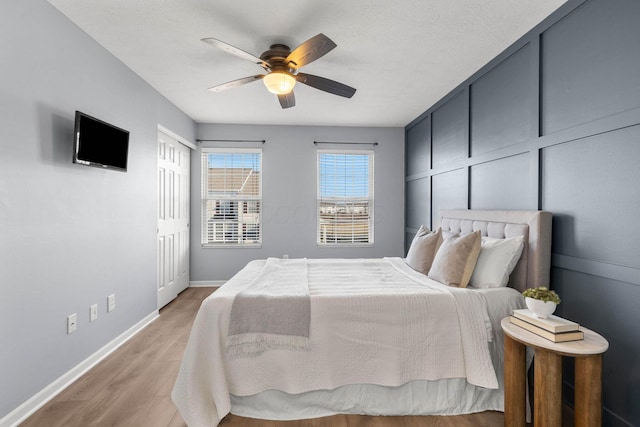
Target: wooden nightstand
x: 547, y: 387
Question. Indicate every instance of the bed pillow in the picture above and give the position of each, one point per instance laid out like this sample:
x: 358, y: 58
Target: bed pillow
x: 497, y: 259
x: 423, y: 249
x: 446, y: 234
x: 455, y: 260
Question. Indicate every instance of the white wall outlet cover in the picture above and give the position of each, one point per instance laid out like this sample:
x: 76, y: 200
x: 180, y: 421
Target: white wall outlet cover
x: 72, y: 323
x: 93, y: 310
x: 111, y: 302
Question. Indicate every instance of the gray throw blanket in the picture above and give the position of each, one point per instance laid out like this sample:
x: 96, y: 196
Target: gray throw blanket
x: 274, y: 311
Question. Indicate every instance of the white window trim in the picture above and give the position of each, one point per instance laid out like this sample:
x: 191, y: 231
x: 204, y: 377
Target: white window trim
x: 207, y: 150
x: 371, y: 198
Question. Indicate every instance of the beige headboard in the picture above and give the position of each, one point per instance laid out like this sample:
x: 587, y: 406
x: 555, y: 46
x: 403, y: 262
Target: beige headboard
x: 534, y: 267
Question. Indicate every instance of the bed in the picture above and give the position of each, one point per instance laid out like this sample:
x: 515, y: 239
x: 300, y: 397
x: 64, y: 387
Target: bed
x: 295, y: 339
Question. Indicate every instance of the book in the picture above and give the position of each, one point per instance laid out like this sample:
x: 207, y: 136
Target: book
x: 576, y: 335
x: 552, y: 323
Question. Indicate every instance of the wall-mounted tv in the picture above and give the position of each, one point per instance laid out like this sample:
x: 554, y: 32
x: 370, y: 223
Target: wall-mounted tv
x: 99, y: 144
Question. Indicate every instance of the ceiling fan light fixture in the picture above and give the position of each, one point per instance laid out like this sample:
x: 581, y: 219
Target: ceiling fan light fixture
x: 282, y: 67
x: 280, y: 83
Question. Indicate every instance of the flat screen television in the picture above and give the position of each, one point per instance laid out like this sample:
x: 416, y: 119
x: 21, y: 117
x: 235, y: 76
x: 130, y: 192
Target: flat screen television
x: 99, y: 144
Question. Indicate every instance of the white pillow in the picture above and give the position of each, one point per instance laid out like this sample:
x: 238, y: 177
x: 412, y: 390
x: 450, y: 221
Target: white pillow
x: 497, y: 259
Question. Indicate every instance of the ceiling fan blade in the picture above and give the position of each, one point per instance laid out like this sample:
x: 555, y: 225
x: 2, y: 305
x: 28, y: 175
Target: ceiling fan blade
x: 326, y: 85
x: 235, y: 51
x: 309, y: 51
x: 287, y: 100
x: 235, y: 83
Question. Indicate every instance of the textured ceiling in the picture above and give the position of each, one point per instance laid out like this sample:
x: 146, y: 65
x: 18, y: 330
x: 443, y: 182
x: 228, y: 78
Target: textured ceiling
x: 402, y: 57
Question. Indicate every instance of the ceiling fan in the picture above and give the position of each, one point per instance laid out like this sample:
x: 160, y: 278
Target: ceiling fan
x: 282, y: 67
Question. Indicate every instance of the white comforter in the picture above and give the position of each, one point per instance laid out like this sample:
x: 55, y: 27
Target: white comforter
x: 373, y: 321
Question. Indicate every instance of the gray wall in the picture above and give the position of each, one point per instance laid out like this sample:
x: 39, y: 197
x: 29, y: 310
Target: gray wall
x: 553, y: 123
x: 71, y: 235
x: 289, y: 195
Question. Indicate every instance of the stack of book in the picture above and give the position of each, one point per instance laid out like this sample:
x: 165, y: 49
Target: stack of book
x: 553, y: 328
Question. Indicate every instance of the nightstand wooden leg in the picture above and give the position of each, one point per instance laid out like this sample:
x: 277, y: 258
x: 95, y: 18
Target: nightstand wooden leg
x: 515, y: 382
x: 547, y: 389
x: 588, y: 394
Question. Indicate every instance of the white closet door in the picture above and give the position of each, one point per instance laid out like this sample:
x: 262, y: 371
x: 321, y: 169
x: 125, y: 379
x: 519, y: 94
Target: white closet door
x: 173, y: 218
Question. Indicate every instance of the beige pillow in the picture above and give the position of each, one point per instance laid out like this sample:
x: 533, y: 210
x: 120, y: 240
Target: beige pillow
x: 455, y: 260
x: 423, y: 249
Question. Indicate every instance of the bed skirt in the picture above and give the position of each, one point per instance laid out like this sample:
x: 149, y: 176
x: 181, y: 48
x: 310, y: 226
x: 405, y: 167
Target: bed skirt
x: 418, y: 397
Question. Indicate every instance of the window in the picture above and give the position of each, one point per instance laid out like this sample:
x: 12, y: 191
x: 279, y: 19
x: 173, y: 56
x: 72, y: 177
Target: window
x: 231, y: 197
x: 345, y: 197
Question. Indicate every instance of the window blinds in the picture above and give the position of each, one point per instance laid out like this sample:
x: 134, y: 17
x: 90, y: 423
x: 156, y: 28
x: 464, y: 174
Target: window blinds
x: 231, y: 197
x: 345, y: 198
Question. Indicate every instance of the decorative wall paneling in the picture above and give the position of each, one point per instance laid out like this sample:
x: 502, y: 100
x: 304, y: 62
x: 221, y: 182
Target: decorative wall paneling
x: 589, y: 65
x: 554, y: 123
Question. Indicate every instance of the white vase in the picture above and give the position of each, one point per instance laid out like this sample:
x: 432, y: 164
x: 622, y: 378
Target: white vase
x: 541, y: 309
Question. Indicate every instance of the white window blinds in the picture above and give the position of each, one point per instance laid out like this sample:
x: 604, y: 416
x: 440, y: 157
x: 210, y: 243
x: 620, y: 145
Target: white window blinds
x: 231, y: 197
x: 345, y: 198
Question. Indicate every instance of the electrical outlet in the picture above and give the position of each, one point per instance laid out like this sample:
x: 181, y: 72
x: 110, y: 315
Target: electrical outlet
x: 111, y: 303
x: 94, y: 312
x: 285, y: 256
x: 72, y: 323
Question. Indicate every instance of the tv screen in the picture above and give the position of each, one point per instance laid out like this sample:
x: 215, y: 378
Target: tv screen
x: 99, y: 144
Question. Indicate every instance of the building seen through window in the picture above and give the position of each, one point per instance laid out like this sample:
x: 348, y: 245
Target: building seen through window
x: 231, y: 197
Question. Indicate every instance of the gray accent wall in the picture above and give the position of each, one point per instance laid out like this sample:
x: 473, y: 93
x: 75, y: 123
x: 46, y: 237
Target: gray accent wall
x: 553, y: 123
x: 70, y: 235
x: 289, y: 194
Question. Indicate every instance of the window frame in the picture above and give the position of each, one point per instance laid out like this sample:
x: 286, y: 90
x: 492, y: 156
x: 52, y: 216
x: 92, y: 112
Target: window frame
x: 370, y: 199
x: 240, y: 203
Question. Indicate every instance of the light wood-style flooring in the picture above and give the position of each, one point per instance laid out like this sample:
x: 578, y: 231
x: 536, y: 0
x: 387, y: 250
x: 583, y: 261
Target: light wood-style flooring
x: 132, y: 386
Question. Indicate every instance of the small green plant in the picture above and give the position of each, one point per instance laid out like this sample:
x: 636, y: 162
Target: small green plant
x: 543, y: 294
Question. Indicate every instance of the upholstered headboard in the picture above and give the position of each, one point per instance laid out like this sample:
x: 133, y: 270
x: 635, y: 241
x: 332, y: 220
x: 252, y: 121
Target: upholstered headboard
x: 534, y: 267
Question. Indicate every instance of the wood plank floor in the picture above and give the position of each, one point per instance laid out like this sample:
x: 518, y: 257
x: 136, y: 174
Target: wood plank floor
x: 132, y: 386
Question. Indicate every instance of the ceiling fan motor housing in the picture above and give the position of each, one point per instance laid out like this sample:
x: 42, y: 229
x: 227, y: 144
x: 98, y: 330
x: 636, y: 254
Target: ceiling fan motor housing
x: 276, y: 56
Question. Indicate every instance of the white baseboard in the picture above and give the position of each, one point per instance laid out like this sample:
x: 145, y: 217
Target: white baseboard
x: 25, y: 410
x: 206, y: 283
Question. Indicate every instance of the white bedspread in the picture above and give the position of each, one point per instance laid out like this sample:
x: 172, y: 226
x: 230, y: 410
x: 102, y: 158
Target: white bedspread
x: 373, y: 321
